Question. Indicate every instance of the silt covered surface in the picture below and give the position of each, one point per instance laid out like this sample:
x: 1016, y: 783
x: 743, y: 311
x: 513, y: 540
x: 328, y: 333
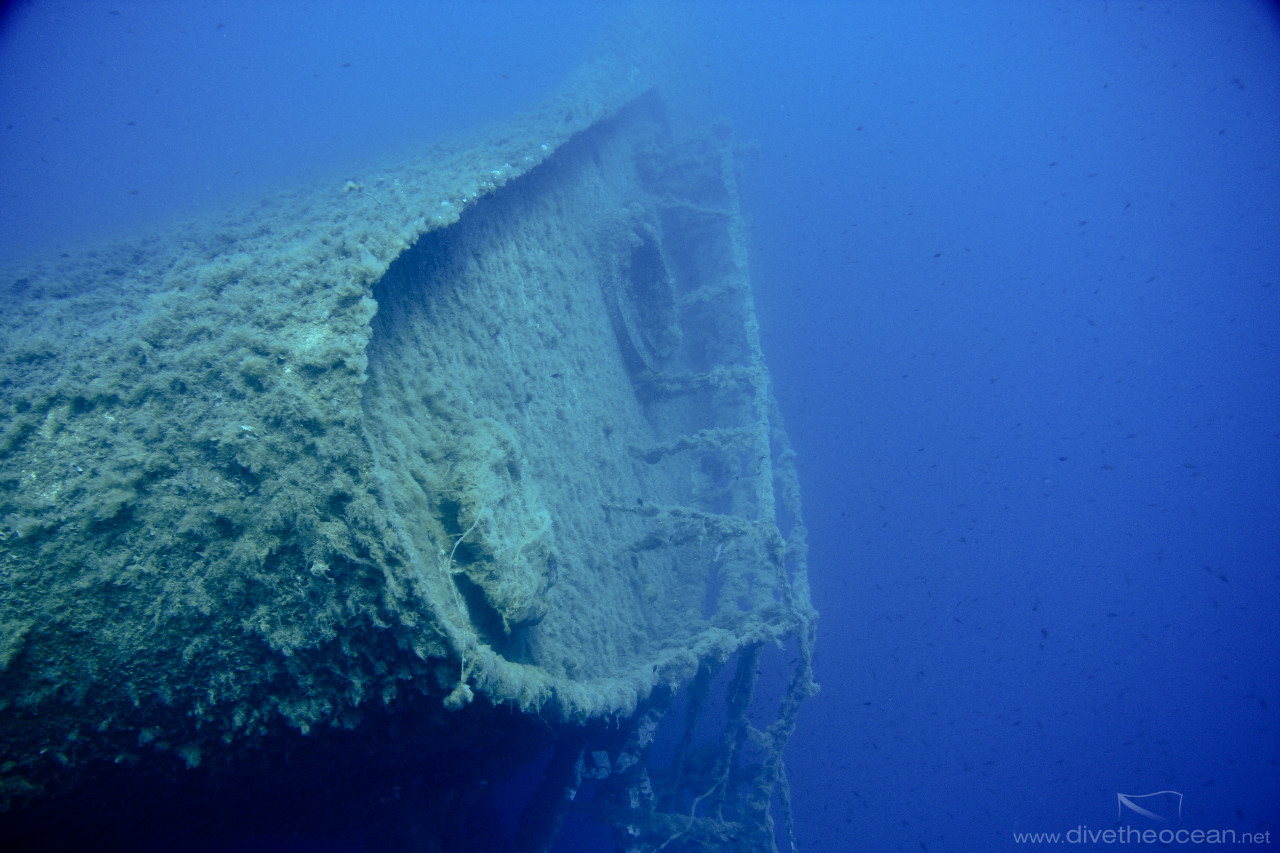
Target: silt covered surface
x: 476, y: 439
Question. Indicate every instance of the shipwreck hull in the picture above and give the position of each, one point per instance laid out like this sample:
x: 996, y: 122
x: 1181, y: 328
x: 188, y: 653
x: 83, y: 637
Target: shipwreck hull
x: 476, y: 448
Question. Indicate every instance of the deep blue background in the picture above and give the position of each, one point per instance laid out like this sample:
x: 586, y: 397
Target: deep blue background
x: 1018, y: 268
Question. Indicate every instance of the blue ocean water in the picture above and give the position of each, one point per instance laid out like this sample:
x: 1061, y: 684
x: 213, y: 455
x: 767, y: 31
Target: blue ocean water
x: 1018, y: 273
x: 1017, y: 270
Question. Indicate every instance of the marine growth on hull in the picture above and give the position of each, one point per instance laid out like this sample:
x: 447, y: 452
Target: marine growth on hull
x: 418, y: 478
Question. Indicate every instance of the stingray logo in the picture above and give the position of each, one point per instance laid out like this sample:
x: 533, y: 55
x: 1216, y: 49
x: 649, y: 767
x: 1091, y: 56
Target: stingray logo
x: 1162, y: 806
